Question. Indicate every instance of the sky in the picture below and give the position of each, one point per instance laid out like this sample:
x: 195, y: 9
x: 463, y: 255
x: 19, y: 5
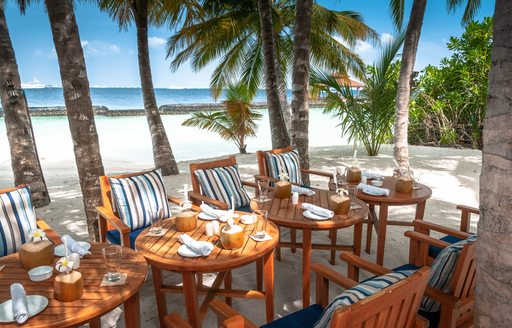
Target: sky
x: 111, y: 53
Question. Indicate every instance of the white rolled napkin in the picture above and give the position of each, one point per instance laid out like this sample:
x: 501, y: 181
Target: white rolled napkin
x: 211, y: 211
x: 73, y: 246
x: 201, y: 248
x: 373, y: 190
x: 19, y: 303
x: 313, y: 216
x: 317, y: 210
x: 371, y: 175
x: 303, y: 191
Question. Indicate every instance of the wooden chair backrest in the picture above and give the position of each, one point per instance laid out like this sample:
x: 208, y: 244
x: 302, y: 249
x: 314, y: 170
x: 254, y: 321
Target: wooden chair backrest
x: 463, y: 283
x: 3, y: 191
x: 262, y: 160
x: 395, y: 306
x: 231, y: 160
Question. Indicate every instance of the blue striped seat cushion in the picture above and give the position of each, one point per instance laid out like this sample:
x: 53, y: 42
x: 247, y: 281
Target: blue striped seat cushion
x: 288, y: 162
x: 359, y: 292
x: 441, y: 272
x: 134, y: 196
x: 221, y: 183
x: 17, y: 218
x: 433, y: 251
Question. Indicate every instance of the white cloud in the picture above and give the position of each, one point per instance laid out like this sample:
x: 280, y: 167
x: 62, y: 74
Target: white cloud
x: 84, y: 43
x: 39, y: 53
x: 386, y: 37
x: 114, y: 48
x: 99, y: 48
x: 156, y: 42
x: 363, y: 46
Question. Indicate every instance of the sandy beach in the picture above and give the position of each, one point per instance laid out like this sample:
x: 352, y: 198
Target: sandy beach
x: 453, y: 175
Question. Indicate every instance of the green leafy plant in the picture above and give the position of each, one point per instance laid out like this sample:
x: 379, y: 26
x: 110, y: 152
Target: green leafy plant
x: 236, y: 122
x: 367, y: 115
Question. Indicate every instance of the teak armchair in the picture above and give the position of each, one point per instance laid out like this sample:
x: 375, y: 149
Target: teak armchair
x: 456, y: 305
x: 395, y: 306
x: 195, y: 195
x: 108, y: 218
x: 41, y: 224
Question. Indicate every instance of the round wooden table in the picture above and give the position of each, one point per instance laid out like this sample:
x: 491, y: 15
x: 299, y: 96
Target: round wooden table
x: 418, y: 197
x: 283, y: 213
x: 161, y: 253
x: 95, y: 301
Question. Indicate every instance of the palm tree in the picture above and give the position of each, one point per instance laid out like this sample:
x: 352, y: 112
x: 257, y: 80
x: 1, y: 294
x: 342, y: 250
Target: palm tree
x: 143, y: 13
x: 77, y: 98
x: 368, y: 115
x: 300, y: 79
x: 236, y: 123
x: 24, y: 159
x: 229, y: 32
x: 412, y: 37
x: 493, y: 293
x: 278, y: 131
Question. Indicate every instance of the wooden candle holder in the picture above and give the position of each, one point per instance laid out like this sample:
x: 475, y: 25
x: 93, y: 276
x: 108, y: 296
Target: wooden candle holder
x: 353, y: 175
x: 36, y: 254
x: 283, y: 190
x: 232, y: 240
x: 68, y: 287
x: 186, y: 221
x: 404, y: 185
x: 340, y: 205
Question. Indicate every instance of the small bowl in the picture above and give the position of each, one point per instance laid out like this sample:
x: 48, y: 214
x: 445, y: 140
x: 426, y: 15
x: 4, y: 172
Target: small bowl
x: 248, y: 219
x: 41, y: 273
x: 377, y: 183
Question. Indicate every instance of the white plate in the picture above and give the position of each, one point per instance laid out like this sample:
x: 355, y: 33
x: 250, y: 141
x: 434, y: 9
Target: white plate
x: 248, y: 219
x: 60, y: 251
x: 204, y: 216
x: 40, y: 273
x: 186, y: 251
x: 35, y: 304
x: 368, y: 192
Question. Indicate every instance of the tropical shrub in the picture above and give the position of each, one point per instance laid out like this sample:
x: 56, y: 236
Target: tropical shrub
x: 368, y: 115
x: 236, y: 122
x: 450, y: 101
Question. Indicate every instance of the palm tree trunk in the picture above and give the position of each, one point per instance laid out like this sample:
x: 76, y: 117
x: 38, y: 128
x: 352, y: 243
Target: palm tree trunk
x: 300, y: 82
x: 24, y: 159
x: 279, y: 134
x: 162, y: 152
x: 283, y: 98
x: 493, y: 294
x: 412, y: 37
x: 78, y: 105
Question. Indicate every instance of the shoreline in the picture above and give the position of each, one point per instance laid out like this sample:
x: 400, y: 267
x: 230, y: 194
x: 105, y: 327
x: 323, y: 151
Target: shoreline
x: 168, y: 109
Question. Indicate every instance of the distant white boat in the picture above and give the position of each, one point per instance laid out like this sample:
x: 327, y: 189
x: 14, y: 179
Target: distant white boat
x: 36, y: 84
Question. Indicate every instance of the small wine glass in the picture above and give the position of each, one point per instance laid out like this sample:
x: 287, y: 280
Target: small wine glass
x: 261, y: 215
x: 262, y: 191
x: 155, y: 215
x: 416, y: 176
x: 352, y: 193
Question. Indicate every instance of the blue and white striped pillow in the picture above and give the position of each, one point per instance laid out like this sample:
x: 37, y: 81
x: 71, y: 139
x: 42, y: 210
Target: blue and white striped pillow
x: 359, y: 292
x: 17, y: 218
x: 134, y: 196
x: 289, y: 162
x: 221, y: 183
x: 441, y: 272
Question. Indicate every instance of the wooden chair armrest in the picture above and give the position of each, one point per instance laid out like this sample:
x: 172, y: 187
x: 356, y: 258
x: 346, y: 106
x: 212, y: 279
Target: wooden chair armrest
x: 178, y: 201
x: 322, y: 271
x: 113, y: 219
x: 468, y: 209
x: 263, y: 177
x: 422, y: 238
x: 50, y: 233
x: 444, y: 298
x: 202, y: 198
x: 420, y: 225
x: 421, y: 322
x: 363, y: 264
x: 250, y: 184
x: 319, y: 173
x: 225, y: 312
x: 174, y: 320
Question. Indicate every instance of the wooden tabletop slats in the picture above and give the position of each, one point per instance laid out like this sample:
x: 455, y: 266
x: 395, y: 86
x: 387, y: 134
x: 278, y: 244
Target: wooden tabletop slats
x: 163, y: 251
x: 95, y: 300
x: 396, y: 198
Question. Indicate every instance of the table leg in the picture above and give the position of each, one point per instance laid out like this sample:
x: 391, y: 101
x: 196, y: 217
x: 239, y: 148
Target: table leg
x: 95, y: 322
x: 278, y: 250
x: 369, y: 228
x: 293, y: 237
x: 161, y: 302
x: 132, y: 312
x: 259, y: 274
x: 333, y: 235
x: 420, y: 210
x: 358, y: 235
x: 268, y: 267
x: 383, y: 222
x: 306, y: 266
x: 190, y: 295
x: 227, y: 285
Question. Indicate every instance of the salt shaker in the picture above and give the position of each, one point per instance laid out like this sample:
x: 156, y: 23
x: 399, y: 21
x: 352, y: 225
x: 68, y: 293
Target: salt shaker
x: 295, y: 198
x: 209, y: 231
x: 216, y: 227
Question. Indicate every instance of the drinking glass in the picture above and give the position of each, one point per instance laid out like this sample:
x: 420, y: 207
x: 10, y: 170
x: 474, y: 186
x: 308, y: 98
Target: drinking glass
x: 415, y: 175
x: 352, y: 193
x: 262, y: 217
x: 262, y: 191
x: 155, y: 215
x: 112, y: 255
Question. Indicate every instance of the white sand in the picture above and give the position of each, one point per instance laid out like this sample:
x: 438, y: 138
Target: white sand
x: 452, y: 174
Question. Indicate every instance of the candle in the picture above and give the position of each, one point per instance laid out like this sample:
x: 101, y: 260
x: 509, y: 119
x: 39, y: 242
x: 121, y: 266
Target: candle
x: 65, y: 248
x: 209, y: 231
x: 185, y: 192
x: 335, y: 179
x: 216, y: 227
x: 232, y: 202
x: 295, y: 198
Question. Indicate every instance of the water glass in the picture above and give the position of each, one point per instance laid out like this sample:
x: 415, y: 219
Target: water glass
x: 262, y: 190
x: 262, y: 216
x: 112, y: 255
x: 352, y: 193
x: 415, y: 175
x: 155, y: 216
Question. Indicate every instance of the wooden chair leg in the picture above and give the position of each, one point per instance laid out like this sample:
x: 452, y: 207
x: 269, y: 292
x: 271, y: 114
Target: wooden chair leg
x: 293, y: 238
x: 259, y: 274
x: 278, y: 249
x: 199, y: 279
x: 227, y: 285
x: 333, y: 235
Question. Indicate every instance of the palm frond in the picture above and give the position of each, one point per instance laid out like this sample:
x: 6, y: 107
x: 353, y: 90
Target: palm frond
x: 397, y: 8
